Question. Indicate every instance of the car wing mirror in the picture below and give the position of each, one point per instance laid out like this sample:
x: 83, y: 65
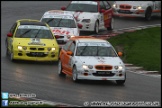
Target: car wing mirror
x: 80, y: 25
x: 9, y: 35
x: 120, y: 54
x: 102, y: 10
x: 63, y: 8
x: 69, y: 53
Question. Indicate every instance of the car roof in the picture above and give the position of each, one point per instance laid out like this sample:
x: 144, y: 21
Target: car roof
x: 57, y: 12
x: 84, y: 2
x: 31, y: 22
x: 87, y: 39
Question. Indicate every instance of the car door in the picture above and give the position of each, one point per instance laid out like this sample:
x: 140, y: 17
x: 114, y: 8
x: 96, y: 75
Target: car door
x: 63, y: 55
x: 107, y: 14
x: 101, y: 15
x: 157, y: 7
x: 69, y: 58
x: 10, y: 39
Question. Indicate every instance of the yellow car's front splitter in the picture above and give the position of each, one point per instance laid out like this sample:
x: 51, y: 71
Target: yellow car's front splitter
x: 32, y: 57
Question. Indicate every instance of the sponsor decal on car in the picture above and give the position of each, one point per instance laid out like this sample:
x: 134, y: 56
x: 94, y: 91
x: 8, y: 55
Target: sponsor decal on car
x: 58, y: 31
x: 35, y: 41
x: 33, y: 27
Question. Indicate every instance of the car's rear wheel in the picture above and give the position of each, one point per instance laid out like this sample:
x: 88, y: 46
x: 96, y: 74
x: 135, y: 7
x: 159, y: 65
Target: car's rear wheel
x: 60, y: 69
x: 75, y: 74
x: 111, y: 24
x: 96, y: 27
x: 148, y: 14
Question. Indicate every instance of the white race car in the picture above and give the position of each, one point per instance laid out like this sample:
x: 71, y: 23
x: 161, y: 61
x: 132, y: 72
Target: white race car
x: 145, y: 9
x: 63, y: 25
x: 89, y: 58
x: 92, y: 15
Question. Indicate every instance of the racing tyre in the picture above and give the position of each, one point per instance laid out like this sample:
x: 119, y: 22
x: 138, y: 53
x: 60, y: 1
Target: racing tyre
x: 60, y: 69
x: 11, y: 56
x: 111, y: 24
x: 148, y: 14
x: 96, y: 27
x: 121, y: 82
x: 75, y: 75
x: 7, y: 52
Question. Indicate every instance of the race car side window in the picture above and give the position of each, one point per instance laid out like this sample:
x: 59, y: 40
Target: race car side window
x: 72, y: 47
x: 66, y: 46
x: 102, y: 6
x: 108, y: 6
x: 12, y: 30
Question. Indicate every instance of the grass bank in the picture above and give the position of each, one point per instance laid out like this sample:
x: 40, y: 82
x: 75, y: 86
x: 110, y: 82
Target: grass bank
x: 141, y: 48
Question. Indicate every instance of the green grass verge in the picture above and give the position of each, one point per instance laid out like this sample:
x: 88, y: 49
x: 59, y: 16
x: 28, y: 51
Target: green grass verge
x: 141, y: 48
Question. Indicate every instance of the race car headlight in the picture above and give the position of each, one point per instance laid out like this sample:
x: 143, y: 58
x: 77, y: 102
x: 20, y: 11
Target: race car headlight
x: 90, y: 66
x: 134, y: 7
x: 118, y: 67
x: 87, y: 67
x: 114, y: 5
x: 72, y: 36
x: 86, y: 20
x: 24, y: 47
x: 137, y: 7
x: 49, y: 49
x: 53, y: 49
x: 68, y: 36
x: 19, y: 47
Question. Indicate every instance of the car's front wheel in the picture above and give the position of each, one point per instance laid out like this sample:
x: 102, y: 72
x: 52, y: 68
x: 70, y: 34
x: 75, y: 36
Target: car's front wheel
x: 96, y: 27
x: 75, y: 74
x: 60, y: 69
x: 148, y: 14
x: 120, y: 82
x: 7, y: 52
x: 11, y: 55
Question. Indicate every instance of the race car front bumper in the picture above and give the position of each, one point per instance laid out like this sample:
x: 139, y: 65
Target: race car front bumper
x: 87, y: 26
x: 35, y: 55
x: 116, y: 75
x: 129, y: 13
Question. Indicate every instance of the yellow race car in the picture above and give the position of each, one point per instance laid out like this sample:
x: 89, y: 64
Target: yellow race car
x: 31, y: 40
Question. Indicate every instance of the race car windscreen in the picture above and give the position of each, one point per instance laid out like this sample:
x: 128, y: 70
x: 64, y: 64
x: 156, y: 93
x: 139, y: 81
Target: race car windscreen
x: 95, y: 51
x: 59, y: 22
x: 82, y: 8
x: 25, y: 31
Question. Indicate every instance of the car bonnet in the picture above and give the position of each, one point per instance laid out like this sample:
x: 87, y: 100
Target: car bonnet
x: 64, y: 31
x: 96, y: 60
x: 35, y: 41
x: 83, y: 15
